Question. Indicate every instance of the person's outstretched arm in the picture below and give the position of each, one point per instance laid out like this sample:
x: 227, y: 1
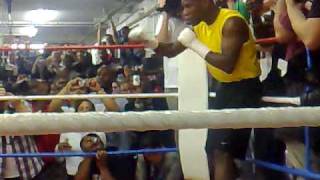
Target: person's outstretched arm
x: 84, y: 170
x: 109, y: 103
x: 101, y: 162
x: 161, y: 49
x: 282, y: 34
x: 307, y: 29
x: 55, y: 104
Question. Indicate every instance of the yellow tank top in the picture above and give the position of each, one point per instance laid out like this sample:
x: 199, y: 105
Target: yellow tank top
x: 211, y: 35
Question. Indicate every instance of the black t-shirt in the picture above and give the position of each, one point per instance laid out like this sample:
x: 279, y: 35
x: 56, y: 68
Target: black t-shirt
x: 315, y: 10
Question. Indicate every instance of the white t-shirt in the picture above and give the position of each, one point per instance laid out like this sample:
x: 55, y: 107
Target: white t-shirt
x: 170, y: 65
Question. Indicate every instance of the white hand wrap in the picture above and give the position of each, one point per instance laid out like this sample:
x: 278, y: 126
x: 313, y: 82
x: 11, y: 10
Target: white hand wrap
x: 138, y: 35
x: 188, y: 38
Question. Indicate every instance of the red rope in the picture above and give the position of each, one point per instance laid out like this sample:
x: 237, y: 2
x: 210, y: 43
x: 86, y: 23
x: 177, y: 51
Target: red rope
x: 271, y: 40
x: 78, y: 47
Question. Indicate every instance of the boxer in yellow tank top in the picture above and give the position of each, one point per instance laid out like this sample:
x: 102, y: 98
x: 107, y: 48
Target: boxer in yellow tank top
x: 223, y: 39
x: 246, y: 65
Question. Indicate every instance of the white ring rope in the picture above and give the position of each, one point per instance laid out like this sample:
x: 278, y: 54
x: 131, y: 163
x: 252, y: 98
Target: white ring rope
x: 56, y: 123
x: 279, y: 100
x: 89, y: 96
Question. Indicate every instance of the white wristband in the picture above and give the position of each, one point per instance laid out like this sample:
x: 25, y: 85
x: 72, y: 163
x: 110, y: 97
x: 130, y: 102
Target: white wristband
x: 199, y: 48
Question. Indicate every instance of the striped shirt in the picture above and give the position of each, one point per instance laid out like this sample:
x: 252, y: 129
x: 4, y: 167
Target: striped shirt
x: 28, y: 167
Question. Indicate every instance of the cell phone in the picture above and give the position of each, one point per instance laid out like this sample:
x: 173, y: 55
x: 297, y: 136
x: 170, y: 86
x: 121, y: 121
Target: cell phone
x: 136, y: 80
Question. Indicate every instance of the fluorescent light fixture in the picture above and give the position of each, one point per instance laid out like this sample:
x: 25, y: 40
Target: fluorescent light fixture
x: 21, y: 46
x: 30, y: 31
x: 41, y: 16
x: 14, y: 46
x: 37, y: 46
x: 18, y: 46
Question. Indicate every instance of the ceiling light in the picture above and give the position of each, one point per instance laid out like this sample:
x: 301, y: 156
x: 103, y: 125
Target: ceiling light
x: 40, y: 16
x: 18, y: 46
x: 30, y: 31
x: 37, y: 46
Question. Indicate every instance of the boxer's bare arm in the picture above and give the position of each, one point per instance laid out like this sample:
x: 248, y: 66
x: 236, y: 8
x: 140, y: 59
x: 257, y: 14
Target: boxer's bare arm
x: 235, y: 34
x: 170, y: 49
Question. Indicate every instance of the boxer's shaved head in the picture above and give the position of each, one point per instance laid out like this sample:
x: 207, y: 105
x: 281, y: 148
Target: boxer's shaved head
x: 194, y: 11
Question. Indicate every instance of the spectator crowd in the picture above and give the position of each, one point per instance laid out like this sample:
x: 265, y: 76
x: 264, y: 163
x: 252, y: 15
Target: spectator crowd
x: 75, y: 72
x: 129, y: 71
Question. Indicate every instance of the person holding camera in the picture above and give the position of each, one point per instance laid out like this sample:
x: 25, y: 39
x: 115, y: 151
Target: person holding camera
x: 71, y: 141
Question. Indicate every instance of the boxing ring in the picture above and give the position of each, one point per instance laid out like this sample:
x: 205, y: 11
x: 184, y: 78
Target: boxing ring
x: 192, y: 119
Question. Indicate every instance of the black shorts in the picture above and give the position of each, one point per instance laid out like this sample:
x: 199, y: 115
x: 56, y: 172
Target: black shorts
x: 242, y: 94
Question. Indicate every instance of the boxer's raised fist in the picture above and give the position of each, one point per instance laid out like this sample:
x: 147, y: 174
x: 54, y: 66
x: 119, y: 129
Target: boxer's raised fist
x: 188, y: 39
